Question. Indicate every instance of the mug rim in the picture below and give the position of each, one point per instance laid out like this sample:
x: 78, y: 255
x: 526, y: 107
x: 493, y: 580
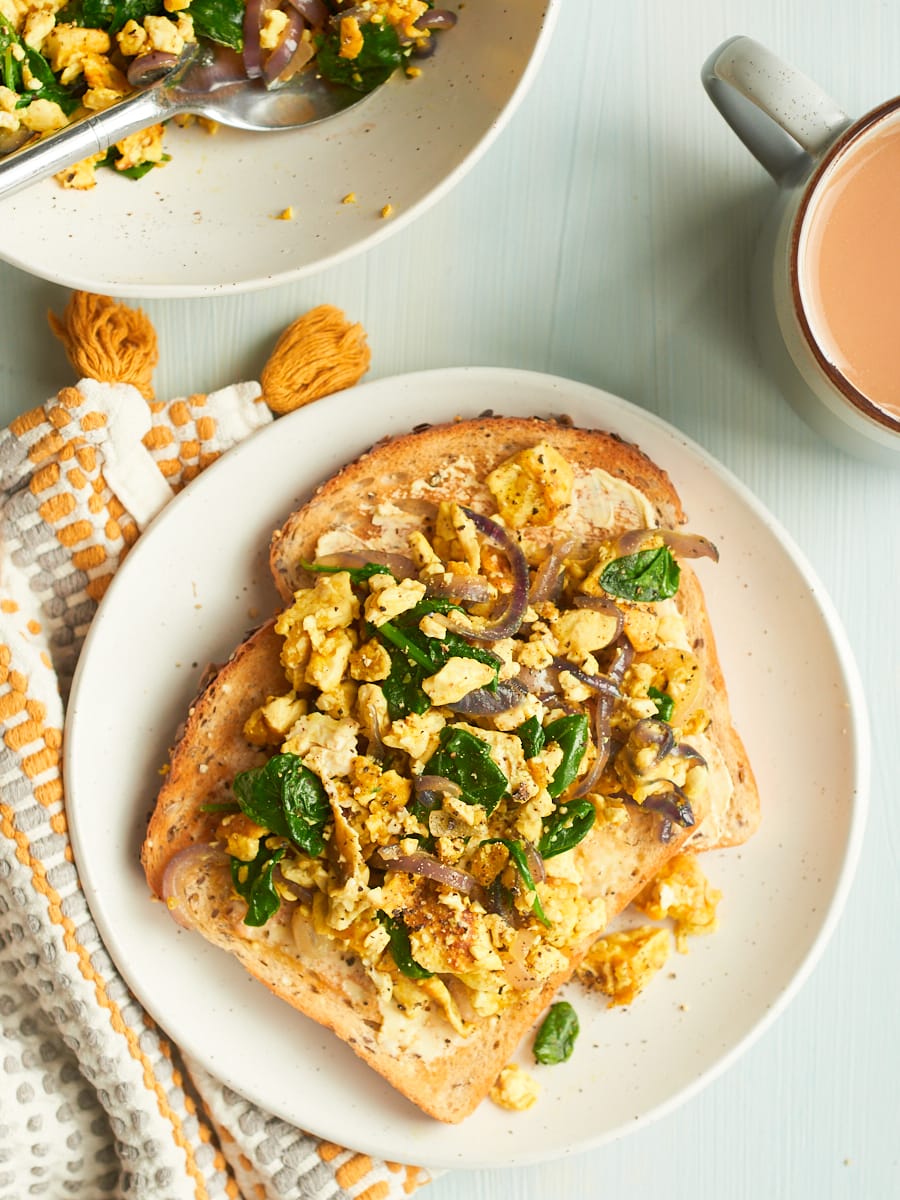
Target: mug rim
x: 836, y: 150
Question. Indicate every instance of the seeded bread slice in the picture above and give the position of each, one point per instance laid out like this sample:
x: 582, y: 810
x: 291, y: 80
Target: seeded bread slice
x: 374, y: 503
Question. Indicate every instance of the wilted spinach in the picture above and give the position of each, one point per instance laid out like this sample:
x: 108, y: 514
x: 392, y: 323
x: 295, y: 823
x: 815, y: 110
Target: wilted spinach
x: 555, y: 1040
x: 644, y: 577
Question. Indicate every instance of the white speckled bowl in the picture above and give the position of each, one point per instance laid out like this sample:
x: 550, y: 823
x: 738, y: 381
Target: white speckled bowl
x: 205, y: 223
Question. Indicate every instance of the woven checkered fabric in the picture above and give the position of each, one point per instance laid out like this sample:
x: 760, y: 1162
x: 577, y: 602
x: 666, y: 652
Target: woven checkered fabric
x: 94, y: 1101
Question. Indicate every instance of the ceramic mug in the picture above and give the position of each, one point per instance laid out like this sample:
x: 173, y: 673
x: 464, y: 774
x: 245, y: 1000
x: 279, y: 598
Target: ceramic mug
x: 826, y: 278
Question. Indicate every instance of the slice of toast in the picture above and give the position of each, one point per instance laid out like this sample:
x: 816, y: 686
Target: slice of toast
x: 373, y: 504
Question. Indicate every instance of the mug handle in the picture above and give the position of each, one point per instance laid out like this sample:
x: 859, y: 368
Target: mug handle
x: 781, y: 116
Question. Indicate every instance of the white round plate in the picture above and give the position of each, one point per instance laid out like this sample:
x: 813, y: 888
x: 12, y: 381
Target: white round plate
x: 197, y: 581
x: 206, y: 222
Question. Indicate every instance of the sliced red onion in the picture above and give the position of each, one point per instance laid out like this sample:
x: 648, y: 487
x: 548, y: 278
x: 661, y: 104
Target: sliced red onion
x: 483, y: 702
x: 535, y: 862
x: 430, y: 788
x: 621, y: 658
x: 473, y: 589
x: 506, y: 623
x: 499, y: 900
x: 12, y: 140
x: 601, y: 713
x: 290, y: 54
x: 150, y: 67
x: 548, y: 576
x: 689, y: 545
x: 597, y: 683
x: 673, y: 804
x: 653, y: 732
x: 683, y: 750
x: 429, y: 867
x: 180, y: 875
x: 601, y: 733
x: 685, y: 545
x: 423, y: 48
x: 313, y: 12
x: 252, y: 48
x: 226, y: 67
x: 436, y: 18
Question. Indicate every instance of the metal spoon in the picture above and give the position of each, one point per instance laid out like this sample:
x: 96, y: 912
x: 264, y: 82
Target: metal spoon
x: 208, y: 81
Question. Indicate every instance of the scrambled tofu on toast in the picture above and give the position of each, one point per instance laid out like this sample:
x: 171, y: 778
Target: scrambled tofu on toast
x: 488, y: 716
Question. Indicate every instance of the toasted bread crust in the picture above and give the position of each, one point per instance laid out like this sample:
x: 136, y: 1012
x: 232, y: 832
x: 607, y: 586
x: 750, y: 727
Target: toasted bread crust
x: 447, y: 462
x: 445, y: 1074
x: 211, y: 749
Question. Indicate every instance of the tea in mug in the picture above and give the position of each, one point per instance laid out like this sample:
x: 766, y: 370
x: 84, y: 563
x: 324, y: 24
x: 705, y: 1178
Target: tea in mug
x: 849, y: 265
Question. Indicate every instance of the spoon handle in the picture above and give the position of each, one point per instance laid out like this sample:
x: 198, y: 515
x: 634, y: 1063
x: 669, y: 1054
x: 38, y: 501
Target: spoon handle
x: 91, y: 135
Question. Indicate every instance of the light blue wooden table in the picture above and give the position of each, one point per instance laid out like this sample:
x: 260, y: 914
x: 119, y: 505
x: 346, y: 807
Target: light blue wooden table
x: 607, y: 236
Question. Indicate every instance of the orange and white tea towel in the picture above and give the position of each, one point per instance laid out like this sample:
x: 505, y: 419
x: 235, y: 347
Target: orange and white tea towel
x: 94, y: 1100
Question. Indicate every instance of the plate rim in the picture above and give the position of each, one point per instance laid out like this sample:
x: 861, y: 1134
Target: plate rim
x: 859, y: 723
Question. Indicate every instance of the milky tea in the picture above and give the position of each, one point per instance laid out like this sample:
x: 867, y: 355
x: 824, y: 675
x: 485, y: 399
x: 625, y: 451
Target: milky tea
x: 848, y: 268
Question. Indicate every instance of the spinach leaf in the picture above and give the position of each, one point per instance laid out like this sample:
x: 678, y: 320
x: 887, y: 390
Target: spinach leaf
x: 517, y: 854
x: 565, y: 827
x: 531, y: 734
x: 414, y: 644
x: 402, y: 688
x: 66, y: 97
x: 646, y: 576
x: 100, y: 14
x: 571, y: 733
x: 555, y: 1040
x: 466, y: 760
x: 665, y: 705
x: 357, y: 574
x: 379, y: 58
x: 286, y: 797
x: 10, y: 71
x: 7, y: 32
x: 220, y: 21
x: 415, y: 656
x: 254, y: 883
x: 400, y: 948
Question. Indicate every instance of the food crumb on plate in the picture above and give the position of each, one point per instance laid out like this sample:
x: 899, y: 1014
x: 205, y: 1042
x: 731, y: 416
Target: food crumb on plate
x: 350, y: 198
x: 621, y: 964
x: 387, y: 210
x: 286, y: 214
x: 515, y: 1089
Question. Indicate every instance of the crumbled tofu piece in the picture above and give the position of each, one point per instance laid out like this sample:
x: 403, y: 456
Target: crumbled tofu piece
x: 38, y: 22
x: 515, y: 1089
x: 43, y: 116
x: 622, y: 964
x: 67, y: 46
x: 272, y: 27
x: 533, y: 486
x: 144, y: 146
x: 682, y: 893
x: 351, y: 38
x: 132, y: 39
x: 81, y: 176
x: 389, y: 599
x: 456, y: 678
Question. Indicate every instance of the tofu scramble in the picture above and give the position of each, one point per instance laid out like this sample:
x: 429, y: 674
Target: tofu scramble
x: 61, y: 60
x: 454, y: 725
